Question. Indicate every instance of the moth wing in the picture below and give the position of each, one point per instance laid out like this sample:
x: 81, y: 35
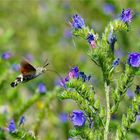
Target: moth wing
x: 26, y: 68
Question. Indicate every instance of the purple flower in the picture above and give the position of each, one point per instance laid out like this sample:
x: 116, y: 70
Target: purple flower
x: 116, y: 62
x: 22, y: 120
x: 74, y: 72
x: 78, y: 118
x: 126, y: 15
x: 6, y: 55
x: 108, y: 9
x: 42, y: 88
x: 62, y: 83
x: 130, y: 94
x: 12, y: 126
x: 63, y: 117
x: 78, y: 22
x: 134, y: 59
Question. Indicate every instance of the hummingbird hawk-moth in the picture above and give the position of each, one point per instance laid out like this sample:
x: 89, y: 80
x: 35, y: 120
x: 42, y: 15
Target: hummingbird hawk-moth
x: 28, y: 72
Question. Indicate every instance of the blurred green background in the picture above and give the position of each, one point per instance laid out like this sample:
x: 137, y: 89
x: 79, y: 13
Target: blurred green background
x: 39, y: 29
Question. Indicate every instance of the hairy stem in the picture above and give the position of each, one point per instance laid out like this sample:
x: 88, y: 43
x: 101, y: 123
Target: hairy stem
x: 106, y: 131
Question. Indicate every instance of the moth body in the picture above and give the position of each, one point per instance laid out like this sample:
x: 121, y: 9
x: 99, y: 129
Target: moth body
x: 28, y: 72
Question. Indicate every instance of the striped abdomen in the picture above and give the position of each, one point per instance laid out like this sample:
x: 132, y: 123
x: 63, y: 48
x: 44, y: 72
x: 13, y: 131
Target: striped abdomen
x: 22, y: 79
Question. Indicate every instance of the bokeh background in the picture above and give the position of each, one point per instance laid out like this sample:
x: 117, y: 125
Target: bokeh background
x: 39, y: 29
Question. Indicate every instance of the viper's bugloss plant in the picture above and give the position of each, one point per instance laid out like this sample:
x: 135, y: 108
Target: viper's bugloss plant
x: 98, y: 98
x: 77, y: 85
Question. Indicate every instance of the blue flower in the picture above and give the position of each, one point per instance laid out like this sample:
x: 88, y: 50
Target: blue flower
x: 78, y: 22
x: 126, y: 15
x: 116, y: 62
x: 6, y: 55
x: 12, y: 126
x: 134, y: 59
x: 108, y: 9
x: 42, y: 88
x: 90, y: 38
x: 63, y: 117
x: 78, y: 118
x: 22, y: 120
x: 91, y: 41
x: 130, y: 94
x: 84, y: 77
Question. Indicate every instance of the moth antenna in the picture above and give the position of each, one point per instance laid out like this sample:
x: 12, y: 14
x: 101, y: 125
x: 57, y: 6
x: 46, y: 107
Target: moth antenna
x: 55, y: 73
x: 45, y: 65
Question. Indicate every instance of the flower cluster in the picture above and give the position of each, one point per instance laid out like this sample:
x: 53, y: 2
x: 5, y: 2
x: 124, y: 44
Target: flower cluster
x: 78, y: 22
x: 74, y: 74
x: 78, y: 118
x: 12, y: 126
x: 126, y: 15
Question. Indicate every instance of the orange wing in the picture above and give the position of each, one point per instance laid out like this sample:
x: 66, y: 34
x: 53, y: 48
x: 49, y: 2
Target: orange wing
x: 26, y: 68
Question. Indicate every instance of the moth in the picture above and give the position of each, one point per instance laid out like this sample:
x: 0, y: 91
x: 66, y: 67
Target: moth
x: 28, y: 72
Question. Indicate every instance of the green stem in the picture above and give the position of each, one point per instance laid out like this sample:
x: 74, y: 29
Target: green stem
x: 106, y: 131
x: 43, y: 112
